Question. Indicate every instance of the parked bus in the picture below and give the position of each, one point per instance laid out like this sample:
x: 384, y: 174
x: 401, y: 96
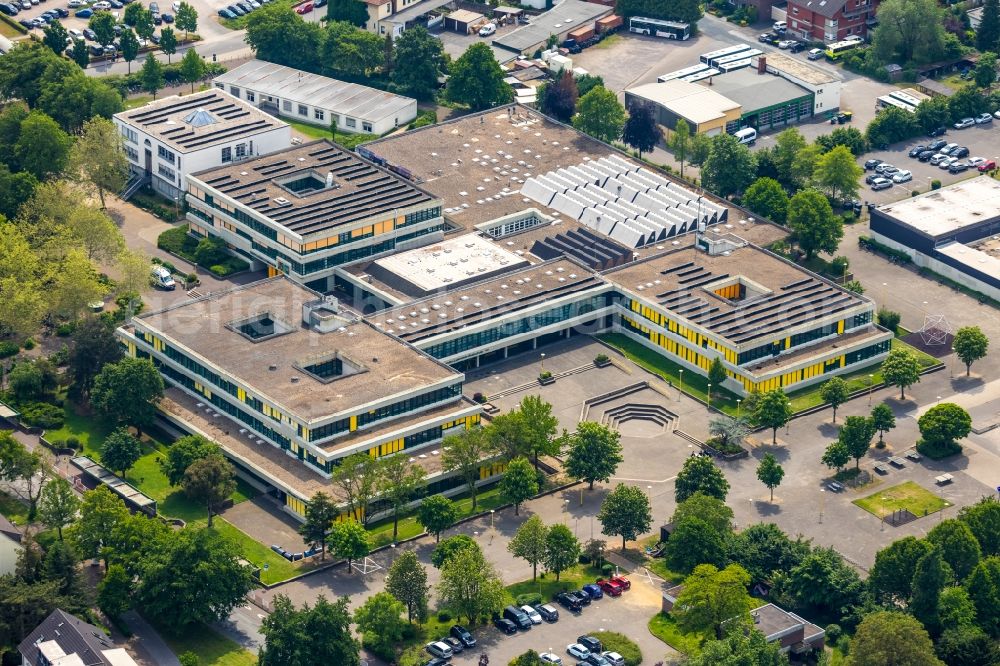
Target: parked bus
x: 707, y: 58
x: 659, y: 28
x: 752, y: 53
x: 681, y: 73
x: 837, y: 49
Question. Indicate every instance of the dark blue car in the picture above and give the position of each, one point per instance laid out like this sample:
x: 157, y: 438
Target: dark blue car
x: 594, y: 591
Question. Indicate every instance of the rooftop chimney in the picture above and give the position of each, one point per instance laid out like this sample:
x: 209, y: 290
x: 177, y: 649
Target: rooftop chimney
x: 762, y: 65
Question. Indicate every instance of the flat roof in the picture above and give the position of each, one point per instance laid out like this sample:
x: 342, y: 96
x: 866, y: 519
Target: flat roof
x: 981, y: 258
x: 341, y: 97
x: 696, y: 103
x: 781, y: 295
x: 465, y: 16
x: 272, y: 186
x: 383, y: 367
x: 199, y: 121
x: 778, y: 61
x: 565, y: 16
x: 485, y: 300
x: 754, y: 91
x: 949, y: 209
x: 449, y: 263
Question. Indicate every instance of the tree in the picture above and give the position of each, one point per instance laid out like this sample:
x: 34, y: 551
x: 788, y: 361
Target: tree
x: 641, y: 131
x: 983, y: 518
x: 891, y: 577
x: 562, y: 549
x: 130, y: 47
x: 835, y: 392
x: 970, y: 345
x: 436, y: 514
x: 814, y: 226
x: 712, y: 598
x: 320, y: 513
x: 983, y: 586
x: 728, y: 432
x: 183, y: 453
x: 529, y: 543
x: 716, y: 372
x: 739, y: 648
x: 943, y: 423
x: 599, y: 114
x: 762, y: 549
x: 465, y: 454
x: 851, y: 137
x: 680, y: 142
x: 419, y: 63
x: 358, y: 480
x: 407, y: 582
x: 42, y: 147
x: 770, y: 473
x: 29, y: 381
x: 97, y: 234
x: 540, y: 427
x: 507, y: 435
x: 958, y: 545
x: 587, y: 82
x: 988, y: 34
x: 447, y: 548
x: 120, y: 451
x: 891, y: 637
x: 529, y: 658
x: 839, y: 173
x: 932, y: 113
x: 787, y: 145
x: 625, y: 512
x: 967, y: 646
x: 114, y: 592
x: 399, y: 483
x: 767, y: 197
x: 477, y: 81
x: 883, y: 420
x: 277, y: 34
x: 909, y: 31
x: 730, y: 166
x: 211, y: 481
x: 901, y: 368
x: 349, y: 540
x: 74, y: 285
x: 595, y: 451
x: 856, y: 434
x: 822, y: 582
x: 186, y: 18
x: 699, y: 474
x: 470, y: 585
x: 151, y: 75
x: 58, y: 505
x: 695, y: 541
x: 559, y: 97
x: 317, y: 635
x: 348, y: 51
x: 192, y: 67
x: 100, y: 511
x: 955, y: 609
x: 701, y: 146
x: 55, y: 36
x: 773, y: 410
x: 350, y: 11
x: 968, y: 101
x: 103, y: 25
x: 891, y: 125
x: 380, y: 623
x: 28, y: 471
x: 168, y: 42
x: 519, y: 482
x: 677, y: 10
x: 127, y: 392
x: 985, y: 73
x: 131, y: 15
x: 929, y: 578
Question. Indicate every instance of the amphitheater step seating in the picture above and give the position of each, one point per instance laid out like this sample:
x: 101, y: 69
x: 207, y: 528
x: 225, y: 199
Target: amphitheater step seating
x: 638, y: 412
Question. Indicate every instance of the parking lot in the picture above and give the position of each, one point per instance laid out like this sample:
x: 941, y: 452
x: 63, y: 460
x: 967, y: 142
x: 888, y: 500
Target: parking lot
x: 981, y: 140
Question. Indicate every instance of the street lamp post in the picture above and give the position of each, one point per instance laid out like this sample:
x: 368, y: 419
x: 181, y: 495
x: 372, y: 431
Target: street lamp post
x: 542, y: 364
x: 708, y: 396
x: 492, y: 512
x: 681, y: 391
x: 871, y: 383
x: 738, y: 401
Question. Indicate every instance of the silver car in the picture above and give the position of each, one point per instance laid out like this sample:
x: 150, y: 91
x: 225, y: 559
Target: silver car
x: 965, y: 122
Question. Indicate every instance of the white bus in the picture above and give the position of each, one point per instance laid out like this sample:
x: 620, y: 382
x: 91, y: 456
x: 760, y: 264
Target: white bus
x: 681, y: 73
x: 752, y: 53
x: 707, y: 58
x: 734, y: 65
x: 837, y: 49
x: 701, y: 76
x: 659, y: 28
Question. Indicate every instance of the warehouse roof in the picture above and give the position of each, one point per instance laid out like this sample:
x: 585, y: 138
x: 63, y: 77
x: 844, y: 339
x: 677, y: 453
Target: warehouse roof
x: 696, y: 103
x: 753, y: 91
x: 565, y: 16
x: 286, y: 83
x: 314, y: 187
x: 198, y: 121
x: 794, y: 67
x: 945, y: 211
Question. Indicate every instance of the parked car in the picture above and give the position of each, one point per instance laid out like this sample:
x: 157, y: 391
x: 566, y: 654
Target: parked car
x: 976, y: 161
x: 958, y: 167
x: 590, y: 643
x: 9, y: 10
x: 780, y: 26
x: 236, y: 9
x: 960, y: 152
x: 455, y: 644
x: 487, y: 30
x: 916, y: 150
x: 569, y: 601
x: 27, y: 24
x: 871, y: 178
x: 988, y: 165
x: 815, y: 54
x: 797, y: 47
x: 436, y: 661
x: 881, y: 184
x: 854, y: 38
x: 593, y: 590
x: 225, y: 13
x: 926, y: 155
x: 785, y: 44
x: 902, y: 176
x: 595, y: 660
x: 505, y: 625
x: 938, y: 158
x: 833, y: 486
x: 439, y: 649
x: 304, y: 8
x: 871, y: 164
x: 464, y: 635
x: 89, y: 34
x: 84, y: 13
x: 549, y: 658
x: 883, y: 167
x: 96, y: 50
x: 548, y: 613
x: 73, y: 4
x: 517, y: 616
x: 947, y: 162
x: 984, y: 118
x: 938, y: 131
x: 614, y: 658
x: 583, y: 597
x: 937, y: 145
x: 168, y: 18
x: 769, y: 38
x: 579, y: 651
x: 103, y: 5
x: 965, y: 122
x: 623, y: 582
x: 610, y: 588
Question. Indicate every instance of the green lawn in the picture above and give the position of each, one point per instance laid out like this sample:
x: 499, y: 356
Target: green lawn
x: 381, y: 531
x: 663, y: 626
x: 89, y: 430
x: 908, y: 495
x: 658, y: 566
x: 547, y: 585
x: 213, y: 649
x: 345, y: 139
x: 13, y: 509
x: 137, y: 101
x: 274, y: 567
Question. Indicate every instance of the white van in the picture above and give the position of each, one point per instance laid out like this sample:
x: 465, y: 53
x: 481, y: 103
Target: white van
x: 747, y: 135
x: 780, y: 26
x: 161, y: 278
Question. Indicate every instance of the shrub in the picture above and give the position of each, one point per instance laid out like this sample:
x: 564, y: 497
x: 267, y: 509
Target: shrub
x: 72, y: 443
x: 584, y: 558
x: 177, y: 241
x: 875, y: 246
x: 529, y: 599
x: 42, y: 415
x: 29, y: 344
x: 478, y: 397
x: 833, y: 632
x: 888, y: 319
x: 229, y: 266
x: 444, y: 616
x: 938, y: 450
x: 8, y: 349
x: 544, y: 374
x: 935, y: 184
x: 620, y: 643
x: 607, y: 569
x: 66, y: 330
x: 601, y: 358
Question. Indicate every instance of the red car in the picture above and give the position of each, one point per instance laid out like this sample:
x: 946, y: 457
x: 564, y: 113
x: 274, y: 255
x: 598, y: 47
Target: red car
x: 624, y: 582
x: 610, y: 588
x: 988, y: 165
x: 304, y: 9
